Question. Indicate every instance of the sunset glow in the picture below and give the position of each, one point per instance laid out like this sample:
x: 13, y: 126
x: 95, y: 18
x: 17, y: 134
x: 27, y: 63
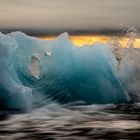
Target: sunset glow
x: 91, y: 39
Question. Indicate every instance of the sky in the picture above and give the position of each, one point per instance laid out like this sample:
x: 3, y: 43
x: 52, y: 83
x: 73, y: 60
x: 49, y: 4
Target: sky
x: 69, y: 15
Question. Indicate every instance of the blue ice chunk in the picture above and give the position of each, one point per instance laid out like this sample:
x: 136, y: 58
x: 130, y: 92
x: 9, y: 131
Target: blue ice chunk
x: 68, y: 74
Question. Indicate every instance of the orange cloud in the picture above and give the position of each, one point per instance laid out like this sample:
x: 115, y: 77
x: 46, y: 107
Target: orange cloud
x: 80, y: 40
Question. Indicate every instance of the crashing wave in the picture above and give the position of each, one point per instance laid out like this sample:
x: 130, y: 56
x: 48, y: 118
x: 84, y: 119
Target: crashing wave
x: 59, y: 71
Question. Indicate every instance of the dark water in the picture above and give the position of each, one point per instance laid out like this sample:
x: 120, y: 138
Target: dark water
x: 74, y: 122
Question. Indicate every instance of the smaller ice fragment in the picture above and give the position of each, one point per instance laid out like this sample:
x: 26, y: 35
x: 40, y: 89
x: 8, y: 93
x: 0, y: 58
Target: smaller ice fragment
x: 48, y: 52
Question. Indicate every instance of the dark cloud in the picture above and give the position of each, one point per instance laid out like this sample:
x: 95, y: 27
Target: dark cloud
x: 69, y: 14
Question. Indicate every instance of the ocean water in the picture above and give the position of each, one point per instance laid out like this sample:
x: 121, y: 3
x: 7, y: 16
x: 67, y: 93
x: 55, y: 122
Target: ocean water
x: 74, y: 122
x: 55, y: 90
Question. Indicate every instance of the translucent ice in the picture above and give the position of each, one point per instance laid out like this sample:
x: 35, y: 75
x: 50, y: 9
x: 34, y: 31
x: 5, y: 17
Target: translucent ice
x: 13, y: 95
x: 57, y: 70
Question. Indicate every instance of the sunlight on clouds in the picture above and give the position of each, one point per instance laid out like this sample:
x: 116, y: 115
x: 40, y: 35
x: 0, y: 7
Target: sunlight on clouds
x: 91, y: 39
